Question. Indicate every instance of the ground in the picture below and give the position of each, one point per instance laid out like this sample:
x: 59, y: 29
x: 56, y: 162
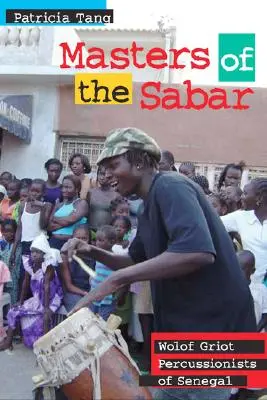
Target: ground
x: 18, y: 366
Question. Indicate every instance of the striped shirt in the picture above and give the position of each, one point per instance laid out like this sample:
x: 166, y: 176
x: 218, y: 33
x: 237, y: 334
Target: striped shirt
x: 102, y: 273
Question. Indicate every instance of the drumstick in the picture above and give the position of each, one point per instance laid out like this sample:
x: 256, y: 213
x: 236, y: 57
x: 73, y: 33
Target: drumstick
x: 85, y: 267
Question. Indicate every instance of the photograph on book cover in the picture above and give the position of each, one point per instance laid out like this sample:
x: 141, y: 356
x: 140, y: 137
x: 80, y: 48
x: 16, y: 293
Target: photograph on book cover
x: 133, y: 200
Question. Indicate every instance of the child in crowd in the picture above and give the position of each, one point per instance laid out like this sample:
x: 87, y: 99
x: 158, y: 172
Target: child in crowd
x: 23, y: 197
x: 259, y: 293
x: 188, y: 169
x: 120, y: 207
x: 232, y: 196
x: 218, y: 203
x: 5, y: 178
x: 35, y: 314
x: 24, y: 194
x: 26, y: 182
x: 122, y: 227
x: 8, y: 228
x: 33, y: 216
x: 258, y: 290
x: 167, y: 162
x: 8, y: 204
x: 137, y: 298
x: 74, y: 278
x: 3, y: 193
x: 105, y: 239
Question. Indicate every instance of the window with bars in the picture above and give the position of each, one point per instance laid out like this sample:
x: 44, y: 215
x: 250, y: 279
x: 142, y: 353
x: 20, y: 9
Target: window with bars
x: 90, y: 147
x: 257, y: 173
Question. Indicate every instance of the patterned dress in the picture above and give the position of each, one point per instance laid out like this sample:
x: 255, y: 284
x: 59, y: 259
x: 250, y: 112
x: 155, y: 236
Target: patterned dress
x: 11, y: 287
x: 31, y: 312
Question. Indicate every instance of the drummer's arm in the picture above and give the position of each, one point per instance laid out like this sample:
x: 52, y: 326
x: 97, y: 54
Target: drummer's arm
x: 111, y: 260
x: 66, y: 277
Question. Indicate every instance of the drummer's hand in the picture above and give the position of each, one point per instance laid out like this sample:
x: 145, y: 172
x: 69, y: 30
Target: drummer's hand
x: 74, y: 246
x: 110, y: 285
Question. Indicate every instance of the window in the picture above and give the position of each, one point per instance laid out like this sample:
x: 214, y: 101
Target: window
x: 90, y: 147
x: 257, y: 173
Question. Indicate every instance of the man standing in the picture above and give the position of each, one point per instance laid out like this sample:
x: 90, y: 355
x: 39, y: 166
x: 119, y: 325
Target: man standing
x: 181, y: 246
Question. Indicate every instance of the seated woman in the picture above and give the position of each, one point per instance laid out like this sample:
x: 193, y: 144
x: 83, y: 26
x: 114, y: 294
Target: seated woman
x: 35, y: 313
x: 67, y: 215
x: 75, y: 280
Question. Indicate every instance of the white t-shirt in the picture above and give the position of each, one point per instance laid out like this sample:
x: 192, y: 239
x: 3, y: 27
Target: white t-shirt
x: 259, y: 294
x: 253, y: 235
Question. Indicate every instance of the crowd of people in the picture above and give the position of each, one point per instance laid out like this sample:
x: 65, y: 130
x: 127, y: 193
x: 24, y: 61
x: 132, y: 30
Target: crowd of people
x: 39, y: 217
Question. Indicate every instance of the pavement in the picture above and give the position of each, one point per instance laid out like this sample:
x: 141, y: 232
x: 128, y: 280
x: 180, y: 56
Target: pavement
x: 17, y: 368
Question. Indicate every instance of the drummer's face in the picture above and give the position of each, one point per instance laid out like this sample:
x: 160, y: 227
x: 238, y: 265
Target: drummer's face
x: 123, y: 177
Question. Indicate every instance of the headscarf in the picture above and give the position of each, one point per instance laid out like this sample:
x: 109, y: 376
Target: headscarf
x: 50, y: 256
x: 3, y: 190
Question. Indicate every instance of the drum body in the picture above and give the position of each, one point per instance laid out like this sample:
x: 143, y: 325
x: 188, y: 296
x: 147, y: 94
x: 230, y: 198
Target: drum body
x: 88, y: 360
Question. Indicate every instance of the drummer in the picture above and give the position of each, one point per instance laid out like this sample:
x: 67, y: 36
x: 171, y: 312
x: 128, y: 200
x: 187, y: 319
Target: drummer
x: 181, y: 246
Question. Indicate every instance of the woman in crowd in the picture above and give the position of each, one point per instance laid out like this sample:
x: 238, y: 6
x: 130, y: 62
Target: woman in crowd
x: 80, y: 166
x: 53, y: 191
x: 68, y: 214
x: 75, y: 280
x: 250, y: 224
x: 188, y: 169
x: 231, y: 175
x: 100, y: 201
x: 166, y: 163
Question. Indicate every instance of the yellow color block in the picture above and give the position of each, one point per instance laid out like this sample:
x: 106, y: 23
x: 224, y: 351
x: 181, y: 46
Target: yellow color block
x: 103, y: 88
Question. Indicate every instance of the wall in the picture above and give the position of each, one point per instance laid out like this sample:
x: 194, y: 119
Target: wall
x: 27, y: 160
x: 207, y: 136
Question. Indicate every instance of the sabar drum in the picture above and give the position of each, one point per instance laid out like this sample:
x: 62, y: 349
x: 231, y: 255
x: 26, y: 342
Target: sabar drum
x: 89, y: 359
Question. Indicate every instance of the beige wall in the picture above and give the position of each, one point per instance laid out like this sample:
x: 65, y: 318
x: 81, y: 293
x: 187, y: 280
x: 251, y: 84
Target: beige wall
x: 205, y: 136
